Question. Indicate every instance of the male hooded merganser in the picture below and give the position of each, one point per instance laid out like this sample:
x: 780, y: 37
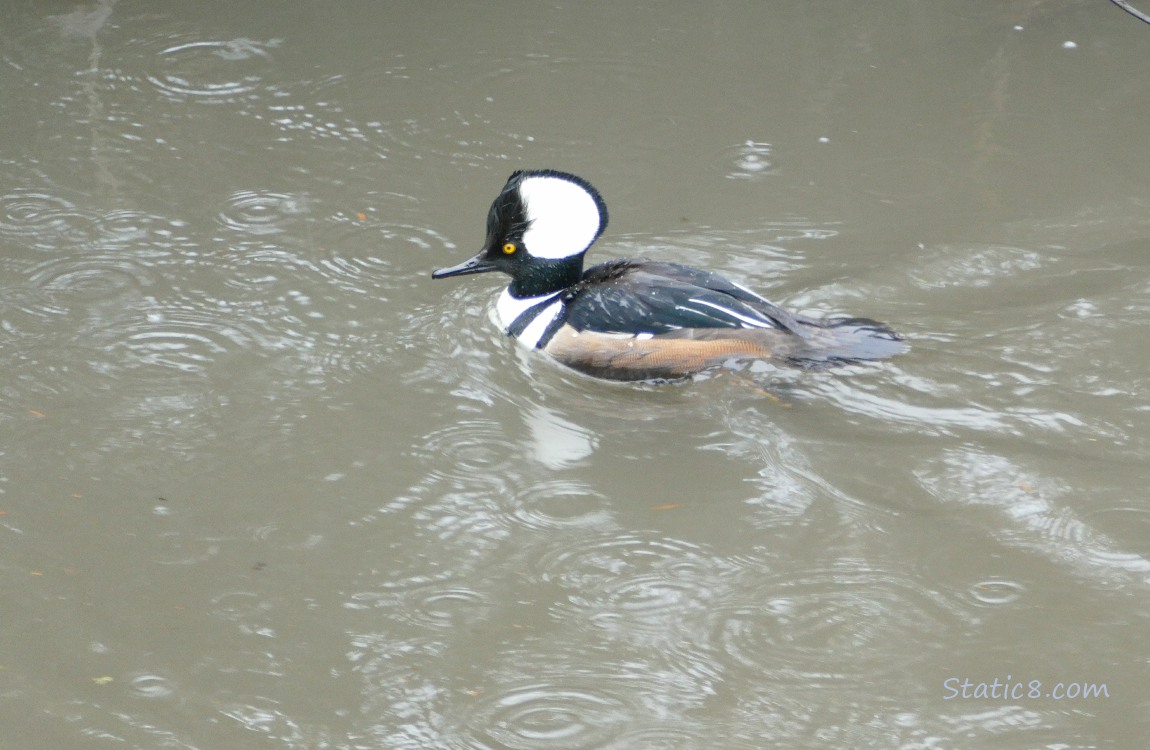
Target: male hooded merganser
x: 637, y: 319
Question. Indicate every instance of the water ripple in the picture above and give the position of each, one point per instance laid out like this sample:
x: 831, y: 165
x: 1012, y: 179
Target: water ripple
x: 181, y: 338
x: 317, y: 120
x: 547, y: 716
x: 750, y: 160
x: 659, y: 604
x: 400, y: 568
x: 125, y: 225
x: 44, y: 219
x: 439, y: 606
x: 967, y: 267
x: 151, y: 686
x: 641, y: 589
x: 1030, y: 516
x: 258, y: 265
x: 996, y: 593
x: 213, y: 71
x: 96, y: 275
x: 661, y: 737
x: 468, y: 451
x: 25, y: 312
x: 591, y: 562
x: 843, y: 624
x: 460, y: 360
x: 259, y: 213
x: 573, y: 694
x: 560, y: 504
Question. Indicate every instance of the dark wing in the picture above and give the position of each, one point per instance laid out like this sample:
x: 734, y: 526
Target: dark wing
x: 635, y: 296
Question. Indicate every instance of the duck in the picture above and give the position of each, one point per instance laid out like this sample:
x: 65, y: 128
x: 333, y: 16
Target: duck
x: 634, y: 319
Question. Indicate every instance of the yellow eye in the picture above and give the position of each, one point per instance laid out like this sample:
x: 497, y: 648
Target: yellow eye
x: 509, y: 248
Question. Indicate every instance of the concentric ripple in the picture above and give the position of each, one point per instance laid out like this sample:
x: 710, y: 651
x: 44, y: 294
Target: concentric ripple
x: 833, y: 625
x: 151, y: 686
x: 182, y: 339
x: 750, y: 160
x: 441, y: 606
x: 123, y: 225
x: 594, y: 560
x: 258, y: 267
x: 547, y: 716
x: 213, y: 71
x: 90, y: 276
x: 641, y: 588
x: 261, y: 212
x: 560, y: 504
x: 44, y: 218
x: 997, y: 592
x: 467, y: 453
x: 661, y: 737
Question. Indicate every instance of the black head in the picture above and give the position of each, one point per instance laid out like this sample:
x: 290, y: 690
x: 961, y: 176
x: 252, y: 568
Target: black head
x: 538, y: 229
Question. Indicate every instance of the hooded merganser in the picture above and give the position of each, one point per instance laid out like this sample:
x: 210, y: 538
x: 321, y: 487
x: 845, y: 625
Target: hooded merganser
x: 637, y: 319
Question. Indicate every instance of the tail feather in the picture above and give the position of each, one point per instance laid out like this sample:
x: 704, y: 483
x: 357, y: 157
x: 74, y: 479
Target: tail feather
x: 848, y: 341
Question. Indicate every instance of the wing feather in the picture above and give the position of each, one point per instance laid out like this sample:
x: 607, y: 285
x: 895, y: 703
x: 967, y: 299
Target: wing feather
x: 648, y: 297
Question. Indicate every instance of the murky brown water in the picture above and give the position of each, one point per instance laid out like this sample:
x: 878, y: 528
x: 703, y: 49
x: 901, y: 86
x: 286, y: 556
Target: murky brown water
x: 263, y: 483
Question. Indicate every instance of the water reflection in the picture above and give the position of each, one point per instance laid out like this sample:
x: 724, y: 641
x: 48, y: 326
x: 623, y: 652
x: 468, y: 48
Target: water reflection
x: 1031, y: 517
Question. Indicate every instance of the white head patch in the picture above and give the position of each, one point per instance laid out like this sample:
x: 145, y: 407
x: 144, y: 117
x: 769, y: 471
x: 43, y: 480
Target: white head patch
x: 564, y: 218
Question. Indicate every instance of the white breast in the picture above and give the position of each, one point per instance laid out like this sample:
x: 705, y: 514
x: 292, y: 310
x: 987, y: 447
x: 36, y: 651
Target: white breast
x: 508, y: 309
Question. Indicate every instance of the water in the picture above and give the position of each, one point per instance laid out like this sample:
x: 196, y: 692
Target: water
x: 263, y: 482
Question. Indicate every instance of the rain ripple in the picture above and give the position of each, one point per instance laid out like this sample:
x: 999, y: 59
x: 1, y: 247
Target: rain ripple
x: 213, y: 71
x: 660, y: 738
x: 594, y: 561
x: 996, y: 592
x: 259, y: 213
x: 838, y: 625
x: 90, y: 276
x: 560, y: 504
x: 46, y: 222
x: 750, y: 160
x: 546, y: 716
x: 44, y: 219
x: 644, y: 589
x: 568, y: 695
x: 124, y: 225
x: 152, y: 686
x: 186, y: 338
x: 440, y: 607
x: 467, y: 453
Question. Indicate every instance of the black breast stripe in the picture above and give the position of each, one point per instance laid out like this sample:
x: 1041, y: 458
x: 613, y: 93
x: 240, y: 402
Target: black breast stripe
x: 524, y: 319
x: 552, y: 328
